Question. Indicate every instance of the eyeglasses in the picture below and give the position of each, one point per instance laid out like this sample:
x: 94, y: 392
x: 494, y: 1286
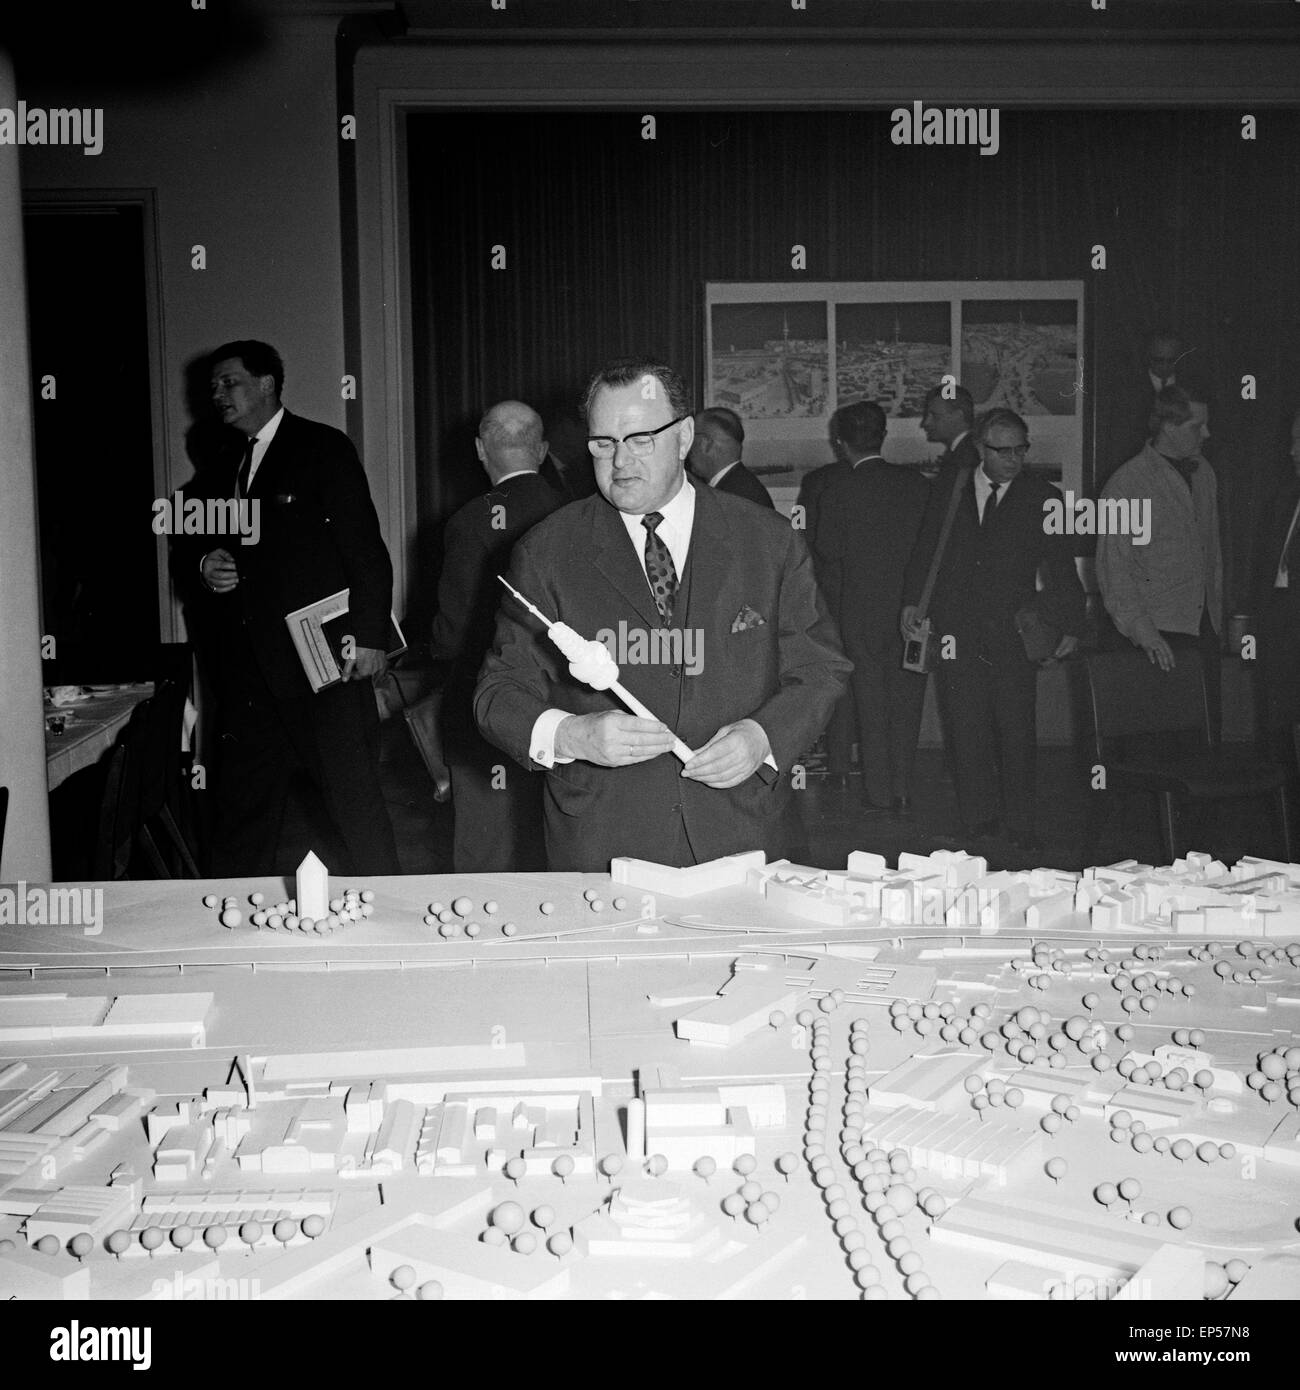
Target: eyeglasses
x: 640, y: 445
x: 1013, y: 451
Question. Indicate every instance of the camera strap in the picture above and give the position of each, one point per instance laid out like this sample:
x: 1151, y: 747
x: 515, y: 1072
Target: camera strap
x: 954, y: 501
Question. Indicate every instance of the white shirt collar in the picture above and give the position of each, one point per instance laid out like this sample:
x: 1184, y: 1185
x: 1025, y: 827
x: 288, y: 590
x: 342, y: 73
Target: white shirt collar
x: 865, y: 458
x: 674, y: 530
x: 518, y: 473
x: 984, y: 485
x: 958, y: 440
x: 722, y: 473
x: 1158, y: 385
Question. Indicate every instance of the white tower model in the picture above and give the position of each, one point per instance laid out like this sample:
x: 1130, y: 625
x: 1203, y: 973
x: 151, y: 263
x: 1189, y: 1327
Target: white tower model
x: 591, y: 663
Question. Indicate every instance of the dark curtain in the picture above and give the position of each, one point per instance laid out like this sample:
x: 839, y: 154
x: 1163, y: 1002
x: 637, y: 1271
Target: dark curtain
x: 609, y: 239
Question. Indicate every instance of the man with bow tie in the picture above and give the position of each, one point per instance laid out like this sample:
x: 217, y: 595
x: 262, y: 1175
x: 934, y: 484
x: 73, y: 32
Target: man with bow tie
x: 652, y: 550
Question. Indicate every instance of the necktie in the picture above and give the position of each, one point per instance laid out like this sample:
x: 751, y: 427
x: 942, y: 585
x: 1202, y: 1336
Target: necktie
x: 990, y: 503
x: 659, y: 567
x: 246, y: 467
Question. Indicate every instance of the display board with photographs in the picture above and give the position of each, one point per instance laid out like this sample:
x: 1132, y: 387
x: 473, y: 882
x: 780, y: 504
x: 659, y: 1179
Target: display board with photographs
x: 786, y: 356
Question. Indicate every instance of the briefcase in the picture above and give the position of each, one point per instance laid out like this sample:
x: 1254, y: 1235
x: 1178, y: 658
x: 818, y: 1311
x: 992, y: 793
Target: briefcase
x: 1040, y: 639
x: 423, y: 718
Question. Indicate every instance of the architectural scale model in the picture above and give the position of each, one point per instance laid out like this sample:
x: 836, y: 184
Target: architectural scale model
x: 742, y: 1079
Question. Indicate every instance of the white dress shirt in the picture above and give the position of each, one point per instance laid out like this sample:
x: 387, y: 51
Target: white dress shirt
x: 984, y: 490
x: 261, y: 443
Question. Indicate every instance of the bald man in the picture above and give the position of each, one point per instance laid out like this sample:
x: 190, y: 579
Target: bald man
x: 715, y: 455
x: 496, y: 803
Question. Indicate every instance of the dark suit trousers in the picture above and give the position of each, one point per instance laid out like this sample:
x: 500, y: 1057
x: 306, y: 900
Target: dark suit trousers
x: 990, y: 714
x: 1209, y: 649
x: 496, y: 806
x: 1279, y: 652
x: 889, y: 702
x: 841, y: 733
x: 329, y: 742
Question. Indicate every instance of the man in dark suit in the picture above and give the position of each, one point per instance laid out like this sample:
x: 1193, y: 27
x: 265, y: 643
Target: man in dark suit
x: 867, y: 525
x: 498, y: 810
x: 948, y: 419
x: 987, y: 686
x: 711, y: 605
x: 1277, y: 601
x: 715, y: 455
x: 318, y: 533
x: 842, y: 730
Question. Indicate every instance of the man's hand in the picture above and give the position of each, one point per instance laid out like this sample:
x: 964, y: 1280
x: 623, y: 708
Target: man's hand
x: 612, y: 739
x: 1158, y: 650
x: 219, y: 572
x: 1065, y: 647
x: 730, y: 756
x: 368, y: 662
x: 908, y: 624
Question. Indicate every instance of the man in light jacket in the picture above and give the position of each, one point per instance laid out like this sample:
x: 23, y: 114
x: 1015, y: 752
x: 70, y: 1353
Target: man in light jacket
x: 1162, y: 583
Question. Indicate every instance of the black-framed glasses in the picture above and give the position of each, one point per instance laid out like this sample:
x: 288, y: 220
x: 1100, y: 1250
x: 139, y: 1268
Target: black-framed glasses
x: 640, y: 445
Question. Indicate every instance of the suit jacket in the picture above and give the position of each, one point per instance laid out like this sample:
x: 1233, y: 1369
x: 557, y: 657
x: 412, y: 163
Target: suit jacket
x: 476, y: 549
x: 814, y: 483
x: 742, y: 483
x: 1165, y: 584
x: 1270, y: 538
x: 988, y: 574
x: 319, y: 534
x: 785, y: 671
x: 867, y: 525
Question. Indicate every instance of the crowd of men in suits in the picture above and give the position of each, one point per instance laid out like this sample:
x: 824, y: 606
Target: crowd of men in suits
x: 801, y: 626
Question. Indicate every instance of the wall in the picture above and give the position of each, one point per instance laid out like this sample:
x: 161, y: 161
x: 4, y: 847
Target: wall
x: 245, y: 162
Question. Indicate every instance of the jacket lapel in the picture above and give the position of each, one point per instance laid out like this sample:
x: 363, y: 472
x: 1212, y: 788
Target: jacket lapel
x: 276, y: 453
x: 713, y: 571
x: 612, y: 554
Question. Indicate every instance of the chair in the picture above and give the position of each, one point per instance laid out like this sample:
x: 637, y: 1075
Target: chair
x: 135, y: 814
x: 1130, y: 698
x: 161, y: 778
x: 119, y: 805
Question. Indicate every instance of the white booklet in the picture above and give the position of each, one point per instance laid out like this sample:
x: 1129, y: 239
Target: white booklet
x: 319, y: 632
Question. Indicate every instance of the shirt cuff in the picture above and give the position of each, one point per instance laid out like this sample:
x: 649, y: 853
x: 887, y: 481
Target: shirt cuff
x: 541, y: 744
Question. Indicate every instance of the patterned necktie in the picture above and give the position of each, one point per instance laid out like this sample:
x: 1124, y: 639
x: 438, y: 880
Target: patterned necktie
x: 245, y: 468
x: 659, y: 567
x: 990, y: 504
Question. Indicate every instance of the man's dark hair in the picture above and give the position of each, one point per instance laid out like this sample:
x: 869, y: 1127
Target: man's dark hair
x: 726, y: 420
x: 999, y: 415
x: 860, y: 425
x: 259, y: 359
x: 627, y: 371
x: 961, y: 399
x: 1172, y: 406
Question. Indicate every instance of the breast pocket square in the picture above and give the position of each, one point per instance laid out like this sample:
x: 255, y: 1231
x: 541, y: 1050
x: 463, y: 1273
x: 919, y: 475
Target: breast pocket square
x: 746, y: 619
